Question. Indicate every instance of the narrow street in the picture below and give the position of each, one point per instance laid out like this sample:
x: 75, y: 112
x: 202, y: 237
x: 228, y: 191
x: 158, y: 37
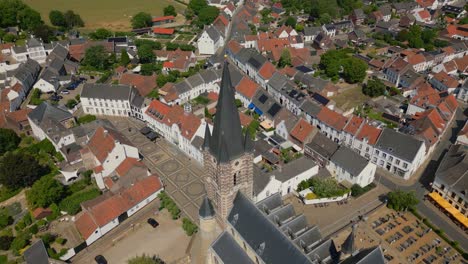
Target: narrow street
x: 422, y: 184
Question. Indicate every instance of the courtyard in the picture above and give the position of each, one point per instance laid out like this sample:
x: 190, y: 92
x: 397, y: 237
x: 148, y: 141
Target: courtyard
x: 182, y: 177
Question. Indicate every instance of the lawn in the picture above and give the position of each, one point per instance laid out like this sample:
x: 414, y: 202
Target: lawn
x: 350, y: 98
x: 110, y: 14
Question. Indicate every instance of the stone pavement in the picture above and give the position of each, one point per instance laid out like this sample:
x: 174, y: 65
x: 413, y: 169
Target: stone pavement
x: 333, y: 217
x: 182, y: 177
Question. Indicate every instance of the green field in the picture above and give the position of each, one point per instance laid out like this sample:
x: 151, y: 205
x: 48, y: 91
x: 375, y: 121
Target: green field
x: 110, y: 14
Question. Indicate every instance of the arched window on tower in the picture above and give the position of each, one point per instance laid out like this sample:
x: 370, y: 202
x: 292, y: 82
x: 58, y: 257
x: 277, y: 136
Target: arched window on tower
x: 235, y: 178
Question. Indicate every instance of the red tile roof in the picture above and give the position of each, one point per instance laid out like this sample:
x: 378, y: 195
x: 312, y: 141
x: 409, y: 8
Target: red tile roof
x: 234, y: 46
x: 462, y: 63
x: 161, y: 108
x: 247, y: 87
x: 370, y: 133
x: 20, y: 115
x: 128, y: 164
x: 213, y: 96
x: 245, y: 119
x: 416, y: 59
x: 163, y: 31
x: 168, y: 64
x: 103, y: 142
x: 85, y: 224
x: 446, y: 79
x: 163, y: 18
x: 144, y: 84
x: 332, y: 118
x: 353, y: 125
x: 301, y: 130
x: 109, y: 208
x: 424, y: 14
x: 267, y: 70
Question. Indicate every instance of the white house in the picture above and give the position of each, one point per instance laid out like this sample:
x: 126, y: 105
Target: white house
x: 34, y: 49
x: 285, y: 179
x: 99, y: 216
x: 111, y: 100
x: 105, y: 151
x: 347, y: 165
x: 52, y: 123
x: 178, y: 126
x: 210, y: 41
x: 398, y: 153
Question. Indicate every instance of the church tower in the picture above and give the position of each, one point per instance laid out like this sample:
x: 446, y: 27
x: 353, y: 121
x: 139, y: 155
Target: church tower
x: 228, y: 155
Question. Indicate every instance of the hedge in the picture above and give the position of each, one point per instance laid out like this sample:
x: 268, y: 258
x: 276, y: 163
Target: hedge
x: 189, y: 227
x: 71, y: 204
x: 169, y: 204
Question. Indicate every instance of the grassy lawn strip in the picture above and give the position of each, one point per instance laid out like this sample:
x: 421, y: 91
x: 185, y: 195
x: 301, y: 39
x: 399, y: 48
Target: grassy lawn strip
x: 71, y: 204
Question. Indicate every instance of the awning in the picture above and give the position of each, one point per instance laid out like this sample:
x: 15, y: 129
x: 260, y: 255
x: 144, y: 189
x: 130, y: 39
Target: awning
x: 68, y: 175
x: 145, y: 130
x: 449, y: 208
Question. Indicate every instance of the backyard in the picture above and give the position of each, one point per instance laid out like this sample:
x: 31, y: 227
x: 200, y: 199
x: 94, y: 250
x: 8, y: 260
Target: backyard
x: 110, y: 14
x: 350, y: 98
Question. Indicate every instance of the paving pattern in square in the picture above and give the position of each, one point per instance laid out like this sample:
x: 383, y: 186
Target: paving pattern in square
x: 159, y: 157
x: 139, y: 140
x: 181, y: 198
x: 182, y: 177
x: 194, y: 190
x: 148, y: 149
x: 169, y: 167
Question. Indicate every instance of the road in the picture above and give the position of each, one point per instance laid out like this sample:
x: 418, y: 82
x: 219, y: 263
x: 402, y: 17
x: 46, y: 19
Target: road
x: 422, y: 185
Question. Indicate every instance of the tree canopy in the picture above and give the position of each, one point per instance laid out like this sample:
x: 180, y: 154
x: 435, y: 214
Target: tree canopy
x: 170, y: 11
x: 141, y: 20
x: 197, y: 5
x: 16, y: 13
x: 207, y: 15
x: 8, y: 140
x: 100, y: 33
x: 57, y: 18
x: 45, y: 192
x: 124, y: 58
x: 290, y: 21
x: 336, y: 62
x: 401, y: 200
x: 66, y: 20
x: 97, y: 58
x: 20, y: 169
x: 374, y: 88
x: 145, y: 53
x: 285, y: 59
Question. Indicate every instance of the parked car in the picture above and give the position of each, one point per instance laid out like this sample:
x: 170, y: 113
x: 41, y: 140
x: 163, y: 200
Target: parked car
x: 65, y: 92
x: 56, y: 97
x: 153, y: 222
x: 100, y: 259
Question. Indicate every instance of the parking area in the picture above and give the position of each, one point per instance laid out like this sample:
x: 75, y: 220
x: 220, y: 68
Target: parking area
x: 182, y: 177
x: 403, y: 238
x: 168, y: 241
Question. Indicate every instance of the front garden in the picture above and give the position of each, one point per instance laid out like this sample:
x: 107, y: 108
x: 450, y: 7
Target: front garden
x: 322, y: 188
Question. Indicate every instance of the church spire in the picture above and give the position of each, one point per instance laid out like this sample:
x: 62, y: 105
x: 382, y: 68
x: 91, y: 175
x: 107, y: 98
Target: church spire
x: 226, y: 143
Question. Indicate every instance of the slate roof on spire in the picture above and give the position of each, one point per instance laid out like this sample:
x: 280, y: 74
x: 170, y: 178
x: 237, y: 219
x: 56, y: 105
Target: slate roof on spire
x: 349, y: 245
x: 206, y: 142
x: 226, y: 142
x: 206, y: 209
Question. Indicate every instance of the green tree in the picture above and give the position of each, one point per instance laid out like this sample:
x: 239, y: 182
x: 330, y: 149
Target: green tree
x: 144, y: 259
x: 9, y: 38
x: 374, y: 88
x: 29, y: 19
x: 44, y: 192
x: 325, y: 18
x: 207, y: 15
x: 20, y: 241
x: 124, y: 58
x: 5, y: 219
x: 145, y: 53
x: 197, y: 6
x: 401, y: 200
x: 96, y: 57
x: 285, y: 59
x: 189, y: 227
x: 5, y: 242
x: 290, y: 21
x: 141, y: 20
x: 8, y: 140
x: 44, y: 32
x: 354, y: 70
x: 100, y: 33
x: 20, y: 169
x: 170, y: 11
x: 73, y: 20
x: 57, y: 18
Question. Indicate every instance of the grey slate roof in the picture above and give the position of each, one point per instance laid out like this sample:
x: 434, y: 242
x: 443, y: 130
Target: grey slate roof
x: 277, y: 81
x: 245, y: 54
x: 106, y: 91
x: 206, y: 209
x: 257, y: 61
x: 36, y: 254
x: 311, y: 108
x: 195, y: 80
x: 349, y: 245
x: 209, y: 76
x: 32, y: 42
x: 262, y: 235
x: 312, y: 31
x: 182, y: 87
x: 399, y: 145
x: 453, y: 169
x: 59, y: 52
x: 349, y: 160
x: 47, y: 111
x: 226, y: 142
x: 20, y: 49
x: 229, y: 251
x: 367, y: 256
x: 213, y: 33
x: 323, y: 145
x: 236, y: 75
x: 293, y: 168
